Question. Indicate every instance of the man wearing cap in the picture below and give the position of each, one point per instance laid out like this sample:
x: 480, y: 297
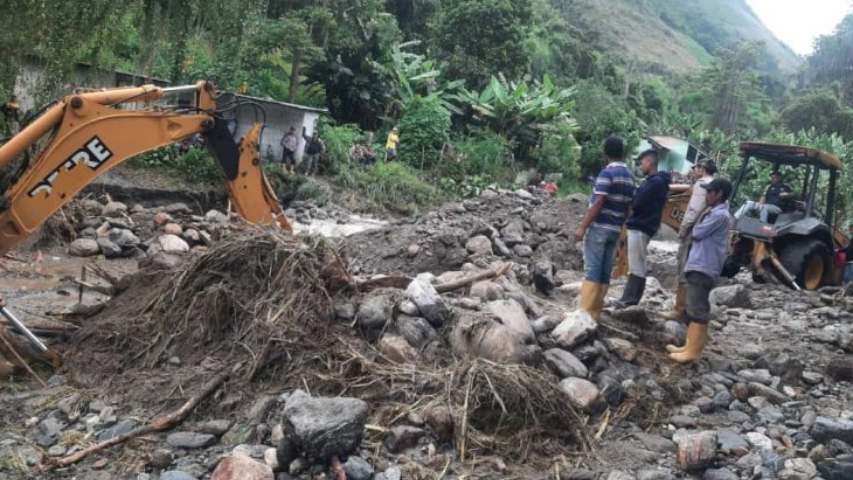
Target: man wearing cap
x: 703, y: 172
x: 643, y: 224
x: 704, y: 265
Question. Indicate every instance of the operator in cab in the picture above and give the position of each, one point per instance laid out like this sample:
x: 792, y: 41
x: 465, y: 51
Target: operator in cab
x: 776, y: 199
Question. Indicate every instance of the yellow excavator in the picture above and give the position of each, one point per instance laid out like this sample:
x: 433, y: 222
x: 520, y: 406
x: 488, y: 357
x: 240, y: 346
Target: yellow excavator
x: 84, y: 135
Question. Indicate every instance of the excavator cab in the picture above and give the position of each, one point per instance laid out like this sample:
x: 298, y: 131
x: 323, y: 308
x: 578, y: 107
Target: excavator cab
x: 795, y: 240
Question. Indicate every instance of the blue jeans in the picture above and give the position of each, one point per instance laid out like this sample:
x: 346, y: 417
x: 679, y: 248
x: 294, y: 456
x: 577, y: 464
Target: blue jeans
x: 848, y: 273
x: 599, y: 252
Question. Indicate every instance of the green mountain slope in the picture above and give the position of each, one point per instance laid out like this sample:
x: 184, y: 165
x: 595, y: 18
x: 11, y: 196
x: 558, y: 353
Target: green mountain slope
x: 680, y: 35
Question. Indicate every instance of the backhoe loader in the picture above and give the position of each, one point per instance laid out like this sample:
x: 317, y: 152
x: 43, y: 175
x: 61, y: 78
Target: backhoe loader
x: 84, y: 135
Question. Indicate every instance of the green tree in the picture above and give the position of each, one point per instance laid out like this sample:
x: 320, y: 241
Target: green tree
x: 820, y: 110
x: 481, y: 38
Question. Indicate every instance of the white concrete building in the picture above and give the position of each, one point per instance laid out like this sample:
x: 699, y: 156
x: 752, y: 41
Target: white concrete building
x: 280, y: 116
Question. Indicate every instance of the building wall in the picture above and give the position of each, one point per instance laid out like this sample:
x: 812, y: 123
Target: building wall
x: 279, y: 119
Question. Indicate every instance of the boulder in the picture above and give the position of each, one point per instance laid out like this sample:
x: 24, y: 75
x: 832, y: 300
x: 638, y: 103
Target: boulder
x: 513, y: 233
x: 108, y: 248
x: 124, y: 238
x: 798, y: 469
x: 623, y: 349
x: 479, y: 245
x: 377, y: 309
x: 357, y: 468
x: 487, y: 291
x: 192, y: 236
x: 161, y: 218
x: 825, y: 429
x: 543, y: 276
x: 396, y: 349
x: 422, y: 293
x: 564, y: 364
x: 172, y: 244
x: 582, y: 393
x: 477, y: 335
x: 177, y: 208
x: 731, y: 296
x: 83, y: 247
x: 114, y: 209
x: 575, y: 328
x: 838, y: 468
x: 173, y: 229
x: 241, y: 467
x: 511, y: 314
x: 322, y: 427
x: 417, y: 331
x: 215, y: 216
x: 523, y: 251
x: 546, y: 323
x: 190, y: 440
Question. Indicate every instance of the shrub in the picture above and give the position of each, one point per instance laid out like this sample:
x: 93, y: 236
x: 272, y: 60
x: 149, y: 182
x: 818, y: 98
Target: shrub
x: 339, y: 139
x: 196, y: 165
x: 393, y: 185
x: 423, y: 131
x: 560, y: 153
x: 485, y: 154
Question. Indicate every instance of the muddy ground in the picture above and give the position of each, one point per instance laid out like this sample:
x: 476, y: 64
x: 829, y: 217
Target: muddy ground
x: 772, y: 392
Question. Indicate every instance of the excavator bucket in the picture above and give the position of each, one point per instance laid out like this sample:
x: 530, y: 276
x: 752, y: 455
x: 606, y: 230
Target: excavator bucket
x: 250, y: 192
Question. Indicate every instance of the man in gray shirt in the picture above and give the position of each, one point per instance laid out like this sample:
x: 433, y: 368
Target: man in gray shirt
x: 704, y: 263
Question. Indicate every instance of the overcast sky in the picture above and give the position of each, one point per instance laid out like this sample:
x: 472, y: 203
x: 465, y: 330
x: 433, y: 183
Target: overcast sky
x: 799, y: 22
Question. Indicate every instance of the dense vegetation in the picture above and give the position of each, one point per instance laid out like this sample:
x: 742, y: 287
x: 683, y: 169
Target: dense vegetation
x: 480, y: 89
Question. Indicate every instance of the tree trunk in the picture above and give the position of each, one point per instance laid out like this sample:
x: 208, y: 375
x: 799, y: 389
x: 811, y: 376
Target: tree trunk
x: 295, y: 71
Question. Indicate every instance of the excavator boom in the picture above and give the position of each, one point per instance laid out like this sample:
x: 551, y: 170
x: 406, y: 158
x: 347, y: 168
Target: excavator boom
x: 86, y: 135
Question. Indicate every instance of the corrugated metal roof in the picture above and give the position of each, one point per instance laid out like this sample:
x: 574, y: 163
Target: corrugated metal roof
x: 284, y: 104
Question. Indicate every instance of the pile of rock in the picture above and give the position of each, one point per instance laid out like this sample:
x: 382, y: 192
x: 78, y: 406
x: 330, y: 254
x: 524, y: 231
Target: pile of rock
x: 114, y: 230
x: 510, y: 225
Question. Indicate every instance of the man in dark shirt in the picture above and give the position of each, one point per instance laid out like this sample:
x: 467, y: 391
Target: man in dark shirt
x: 643, y: 224
x: 777, y: 193
x: 600, y: 228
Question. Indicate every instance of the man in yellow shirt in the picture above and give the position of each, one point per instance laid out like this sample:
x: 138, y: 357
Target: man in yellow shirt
x: 391, y: 144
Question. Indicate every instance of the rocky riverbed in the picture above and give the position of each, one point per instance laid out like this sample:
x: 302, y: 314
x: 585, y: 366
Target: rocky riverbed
x: 422, y: 372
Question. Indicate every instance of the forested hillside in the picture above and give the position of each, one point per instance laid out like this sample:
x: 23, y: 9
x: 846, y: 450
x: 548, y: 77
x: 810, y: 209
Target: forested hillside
x: 480, y: 89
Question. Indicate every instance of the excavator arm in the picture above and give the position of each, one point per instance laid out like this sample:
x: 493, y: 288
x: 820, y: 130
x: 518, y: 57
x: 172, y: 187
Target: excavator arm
x: 673, y: 213
x: 87, y: 134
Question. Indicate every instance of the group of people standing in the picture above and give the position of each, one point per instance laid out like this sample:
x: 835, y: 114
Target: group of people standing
x: 617, y: 202
x: 314, y: 148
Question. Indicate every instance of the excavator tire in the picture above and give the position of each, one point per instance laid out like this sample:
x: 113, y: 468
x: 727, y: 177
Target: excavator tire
x: 808, y: 260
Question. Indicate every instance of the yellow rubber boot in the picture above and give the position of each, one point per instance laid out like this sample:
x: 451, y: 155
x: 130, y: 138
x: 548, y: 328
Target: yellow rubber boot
x: 589, y: 297
x: 697, y: 337
x: 680, y: 306
x: 600, y: 293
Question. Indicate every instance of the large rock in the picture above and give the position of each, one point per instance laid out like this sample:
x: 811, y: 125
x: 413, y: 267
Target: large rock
x: 564, y: 364
x: 477, y: 335
x: 114, y: 209
x: 543, y: 276
x: 124, y: 238
x: 479, y: 245
x: 422, y: 293
x: 190, y: 440
x: 575, y: 328
x: 83, y: 247
x: 417, y: 331
x: 357, y: 468
x: 798, y: 469
x: 487, y: 290
x: 511, y: 314
x: 697, y: 451
x: 582, y: 393
x: 108, y: 248
x: 215, y: 216
x: 825, y: 429
x: 172, y: 244
x: 322, y: 427
x: 513, y: 233
x: 377, y: 309
x: 731, y: 296
x: 396, y: 349
x: 838, y: 468
x: 241, y: 467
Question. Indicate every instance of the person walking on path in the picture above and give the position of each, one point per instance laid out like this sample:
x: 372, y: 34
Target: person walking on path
x: 392, y: 144
x: 704, y: 264
x: 703, y: 172
x: 643, y: 224
x: 289, y: 145
x: 314, y: 148
x: 602, y: 225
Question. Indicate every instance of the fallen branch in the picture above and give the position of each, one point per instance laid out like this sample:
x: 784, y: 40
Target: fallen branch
x: 496, y: 272
x: 18, y: 357
x: 158, y: 424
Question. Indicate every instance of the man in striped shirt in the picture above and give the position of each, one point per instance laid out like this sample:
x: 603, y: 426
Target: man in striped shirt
x: 600, y: 228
